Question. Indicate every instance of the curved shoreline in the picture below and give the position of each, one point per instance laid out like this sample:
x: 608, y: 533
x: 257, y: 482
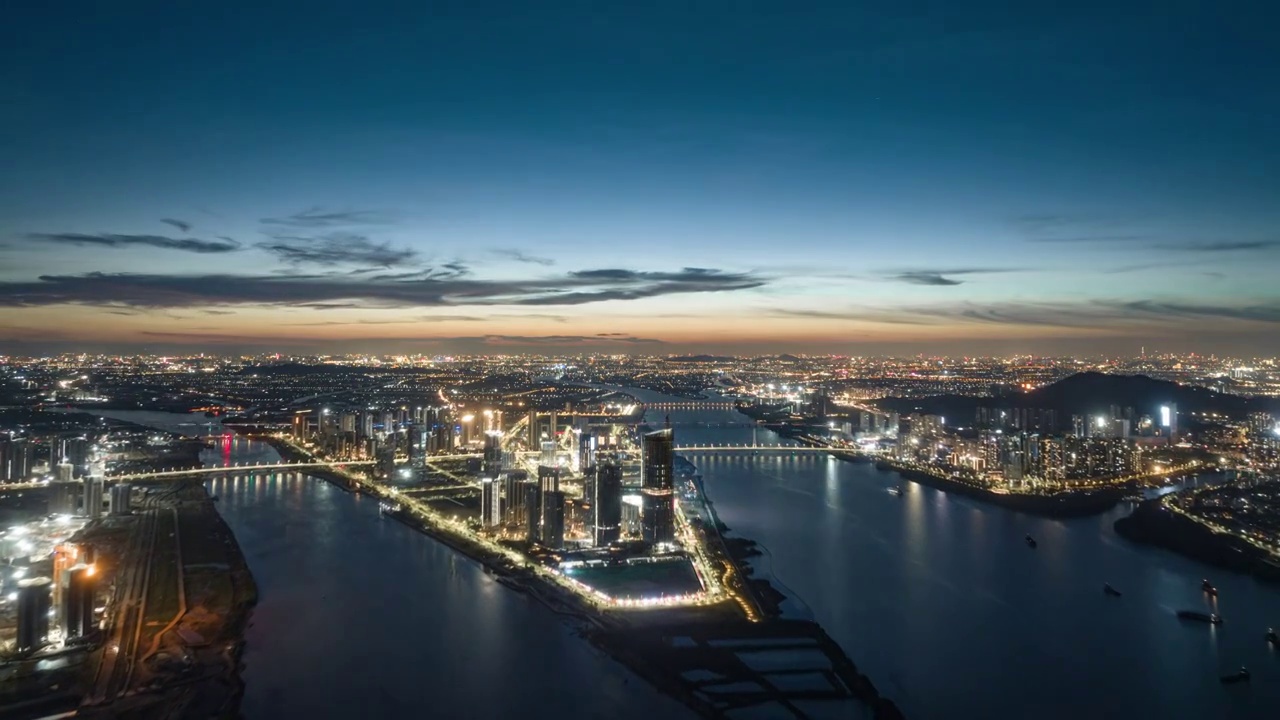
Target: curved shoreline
x: 1152, y: 524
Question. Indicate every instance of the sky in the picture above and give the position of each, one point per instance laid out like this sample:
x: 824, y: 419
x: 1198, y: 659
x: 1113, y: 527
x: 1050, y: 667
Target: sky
x: 658, y: 177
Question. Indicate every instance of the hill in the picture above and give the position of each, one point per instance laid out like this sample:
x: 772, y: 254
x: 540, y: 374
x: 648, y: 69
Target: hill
x: 1092, y: 393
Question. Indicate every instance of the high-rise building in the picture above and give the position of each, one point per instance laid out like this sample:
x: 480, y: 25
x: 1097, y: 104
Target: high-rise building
x: 586, y: 453
x: 533, y: 512
x: 490, y: 502
x: 492, y: 453
x: 75, y: 450
x: 657, y: 521
x: 1169, y: 419
x: 553, y: 520
x: 513, y: 495
x: 118, y: 503
x: 15, y: 459
x: 33, y: 613
x: 92, y: 496
x: 548, y: 453
x: 63, y: 498
x: 77, y: 611
x: 606, y: 508
x: 64, y: 472
x: 548, y: 478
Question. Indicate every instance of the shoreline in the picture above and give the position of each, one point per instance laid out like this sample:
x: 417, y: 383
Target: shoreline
x: 1152, y: 524
x: 622, y: 634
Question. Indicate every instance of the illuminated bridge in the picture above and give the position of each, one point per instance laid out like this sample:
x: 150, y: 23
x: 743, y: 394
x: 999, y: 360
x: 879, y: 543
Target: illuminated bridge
x: 690, y: 405
x: 264, y: 467
x: 758, y: 448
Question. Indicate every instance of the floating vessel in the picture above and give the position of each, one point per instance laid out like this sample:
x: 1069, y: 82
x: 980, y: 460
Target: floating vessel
x: 1208, y: 587
x: 896, y: 492
x: 1031, y: 542
x: 1213, y: 618
x: 1235, y: 677
x: 1106, y: 588
x: 1272, y: 637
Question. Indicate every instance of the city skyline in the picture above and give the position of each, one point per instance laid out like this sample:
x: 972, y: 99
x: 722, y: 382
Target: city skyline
x: 672, y: 180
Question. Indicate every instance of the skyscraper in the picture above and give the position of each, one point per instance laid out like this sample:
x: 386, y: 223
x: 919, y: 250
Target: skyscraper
x: 533, y: 512
x: 657, y: 521
x: 586, y: 452
x: 548, y: 453
x: 492, y: 453
x: 490, y: 502
x: 77, y: 612
x: 606, y: 509
x: 548, y: 478
x: 93, y: 496
x: 33, y: 613
x: 553, y: 520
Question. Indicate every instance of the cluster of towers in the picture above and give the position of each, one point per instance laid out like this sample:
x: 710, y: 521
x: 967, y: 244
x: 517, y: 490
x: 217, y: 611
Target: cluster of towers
x: 539, y: 506
x: 65, y: 601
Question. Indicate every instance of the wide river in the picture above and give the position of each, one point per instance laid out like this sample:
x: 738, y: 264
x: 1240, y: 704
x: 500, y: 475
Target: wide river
x: 935, y: 596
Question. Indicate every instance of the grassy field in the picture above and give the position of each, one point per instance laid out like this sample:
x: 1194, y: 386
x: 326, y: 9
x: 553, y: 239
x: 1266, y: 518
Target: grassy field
x: 675, y: 577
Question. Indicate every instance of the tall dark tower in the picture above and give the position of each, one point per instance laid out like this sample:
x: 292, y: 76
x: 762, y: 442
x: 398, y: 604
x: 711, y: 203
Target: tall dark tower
x: 606, y: 509
x: 657, y: 520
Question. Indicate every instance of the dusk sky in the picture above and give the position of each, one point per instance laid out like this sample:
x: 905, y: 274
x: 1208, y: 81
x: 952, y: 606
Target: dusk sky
x: 651, y: 177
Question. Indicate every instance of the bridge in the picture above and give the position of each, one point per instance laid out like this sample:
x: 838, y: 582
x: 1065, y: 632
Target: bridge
x: 758, y: 448
x: 265, y: 467
x: 690, y: 405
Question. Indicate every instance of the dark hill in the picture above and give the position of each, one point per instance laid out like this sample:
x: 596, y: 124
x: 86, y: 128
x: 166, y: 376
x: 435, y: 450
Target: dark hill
x: 1091, y: 393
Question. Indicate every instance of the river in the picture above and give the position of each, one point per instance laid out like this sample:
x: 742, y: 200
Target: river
x: 935, y: 596
x: 360, y: 616
x: 938, y: 599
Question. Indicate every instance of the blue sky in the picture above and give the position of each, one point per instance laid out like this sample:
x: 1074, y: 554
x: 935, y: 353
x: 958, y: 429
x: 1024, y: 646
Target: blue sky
x: 455, y: 176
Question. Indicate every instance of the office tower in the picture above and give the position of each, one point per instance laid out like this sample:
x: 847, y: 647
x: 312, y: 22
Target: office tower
x: 490, y: 503
x: 606, y: 509
x: 553, y: 520
x: 386, y: 461
x: 548, y: 478
x: 631, y: 508
x: 301, y: 419
x: 92, y: 496
x: 1169, y: 419
x: 492, y: 453
x: 33, y: 614
x: 531, y: 427
x: 586, y: 452
x: 548, y: 453
x: 513, y: 488
x: 657, y: 519
x: 77, y: 611
x: 119, y: 501
x: 63, y: 499
x: 15, y: 459
x: 76, y: 451
x: 533, y: 512
x: 64, y: 472
x: 347, y: 422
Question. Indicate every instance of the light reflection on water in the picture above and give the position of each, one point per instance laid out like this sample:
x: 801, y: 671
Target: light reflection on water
x: 940, y: 601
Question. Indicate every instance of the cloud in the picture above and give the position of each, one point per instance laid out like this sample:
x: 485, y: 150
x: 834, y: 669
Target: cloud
x: 519, y: 256
x: 182, y: 225
x: 317, y: 217
x: 938, y: 278
x: 1220, y: 247
x: 601, y: 339
x: 343, y: 291
x: 336, y: 249
x: 223, y: 245
x: 1085, y: 315
x: 922, y: 278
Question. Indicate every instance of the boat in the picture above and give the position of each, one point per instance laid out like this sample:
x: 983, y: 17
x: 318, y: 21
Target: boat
x: 1235, y: 677
x: 1208, y: 587
x: 1031, y: 542
x: 1213, y: 618
x: 1106, y: 588
x: 896, y: 492
x: 1272, y: 637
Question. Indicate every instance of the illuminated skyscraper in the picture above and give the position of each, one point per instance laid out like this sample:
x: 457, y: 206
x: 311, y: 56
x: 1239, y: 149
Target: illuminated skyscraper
x: 492, y: 454
x: 490, y: 502
x: 77, y: 611
x: 606, y: 508
x: 586, y: 453
x: 657, y: 520
x: 533, y: 512
x: 548, y: 478
x: 548, y: 453
x: 119, y: 500
x: 93, y: 496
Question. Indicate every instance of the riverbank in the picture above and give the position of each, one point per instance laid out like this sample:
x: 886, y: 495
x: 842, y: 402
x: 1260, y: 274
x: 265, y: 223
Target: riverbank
x: 1054, y: 505
x: 625, y: 635
x: 1151, y: 523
